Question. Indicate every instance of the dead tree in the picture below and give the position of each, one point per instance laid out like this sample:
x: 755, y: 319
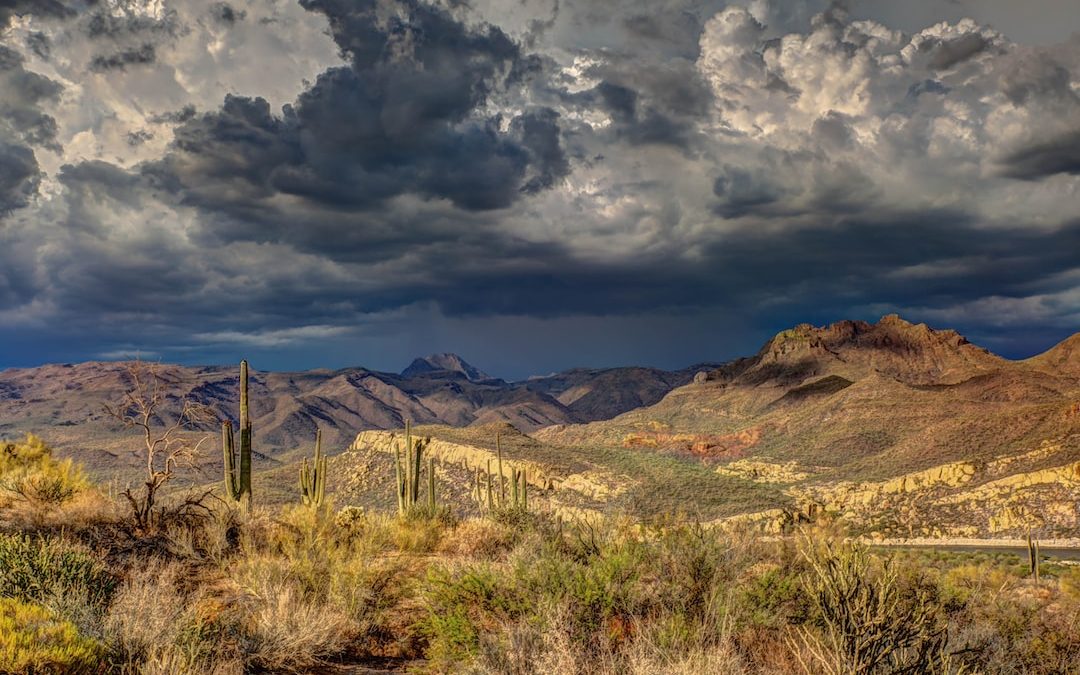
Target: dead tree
x: 166, y: 441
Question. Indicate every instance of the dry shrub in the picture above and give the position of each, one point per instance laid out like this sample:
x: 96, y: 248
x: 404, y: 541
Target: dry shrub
x: 311, y: 587
x: 872, y: 618
x: 211, y: 539
x: 417, y: 535
x: 286, y: 632
x: 478, y: 538
x: 717, y: 659
x: 173, y: 662
x: 154, y: 627
x: 146, y: 611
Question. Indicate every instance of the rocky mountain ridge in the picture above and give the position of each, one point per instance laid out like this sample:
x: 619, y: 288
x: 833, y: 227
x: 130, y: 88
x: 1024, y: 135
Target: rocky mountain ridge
x: 64, y: 403
x: 902, y: 429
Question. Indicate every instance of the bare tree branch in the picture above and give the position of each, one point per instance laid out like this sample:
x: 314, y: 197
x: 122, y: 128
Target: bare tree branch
x: 166, y: 447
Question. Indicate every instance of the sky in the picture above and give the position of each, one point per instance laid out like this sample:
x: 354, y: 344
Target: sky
x: 532, y: 184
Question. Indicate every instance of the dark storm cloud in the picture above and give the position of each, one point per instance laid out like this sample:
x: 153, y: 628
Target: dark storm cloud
x: 1057, y: 155
x: 657, y: 104
x: 142, y: 55
x: 1036, y: 75
x: 175, y: 116
x: 884, y: 262
x: 13, y: 8
x: 103, y: 24
x: 19, y: 176
x: 948, y: 53
x: 588, y: 159
x: 21, y: 100
x: 227, y: 14
x: 403, y: 118
x: 38, y: 43
x: 23, y: 126
x: 137, y: 138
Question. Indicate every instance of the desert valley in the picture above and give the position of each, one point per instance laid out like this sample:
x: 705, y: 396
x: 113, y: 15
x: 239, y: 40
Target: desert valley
x: 898, y: 430
x: 539, y: 337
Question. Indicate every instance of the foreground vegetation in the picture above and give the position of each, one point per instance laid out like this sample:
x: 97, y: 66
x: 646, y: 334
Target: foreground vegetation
x: 218, y: 588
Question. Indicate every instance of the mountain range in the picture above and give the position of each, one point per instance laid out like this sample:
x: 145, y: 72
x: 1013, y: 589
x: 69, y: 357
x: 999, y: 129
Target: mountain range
x: 65, y: 403
x: 898, y: 427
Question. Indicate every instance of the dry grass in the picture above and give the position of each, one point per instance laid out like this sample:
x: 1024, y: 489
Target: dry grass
x: 288, y: 590
x: 287, y: 632
x: 146, y: 612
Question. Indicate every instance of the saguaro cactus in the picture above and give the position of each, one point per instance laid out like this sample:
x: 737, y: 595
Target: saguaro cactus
x: 502, y: 476
x: 407, y: 469
x: 238, y: 479
x: 431, y: 484
x: 1033, y: 557
x: 313, y: 478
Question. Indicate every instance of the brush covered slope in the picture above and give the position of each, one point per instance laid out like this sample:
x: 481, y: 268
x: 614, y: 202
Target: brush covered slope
x: 899, y: 428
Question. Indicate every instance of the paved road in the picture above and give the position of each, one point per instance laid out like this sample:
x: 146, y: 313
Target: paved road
x: 1019, y: 551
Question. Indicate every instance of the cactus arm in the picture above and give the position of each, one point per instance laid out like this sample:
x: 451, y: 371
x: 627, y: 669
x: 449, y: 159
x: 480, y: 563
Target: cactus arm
x: 313, y: 477
x: 305, y: 494
x: 399, y: 486
x: 417, y: 464
x: 490, y: 496
x: 1036, y: 562
x: 229, y: 457
x: 431, y: 484
x: 320, y: 484
x: 409, y: 497
x: 502, y: 478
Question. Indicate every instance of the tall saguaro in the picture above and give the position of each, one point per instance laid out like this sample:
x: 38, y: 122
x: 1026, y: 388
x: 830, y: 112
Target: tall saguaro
x: 238, y: 480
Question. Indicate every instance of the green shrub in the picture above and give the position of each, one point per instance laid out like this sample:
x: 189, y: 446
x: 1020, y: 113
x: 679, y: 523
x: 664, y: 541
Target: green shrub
x: 35, y: 569
x: 775, y: 598
x: 461, y: 604
x: 29, y: 472
x: 28, y: 453
x: 33, y: 641
x: 873, y: 617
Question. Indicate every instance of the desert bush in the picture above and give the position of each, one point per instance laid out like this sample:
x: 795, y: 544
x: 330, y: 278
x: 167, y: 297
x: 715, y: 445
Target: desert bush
x: 17, y: 455
x: 31, y: 476
x: 35, y: 641
x: 463, y: 601
x: 146, y: 611
x: 479, y: 538
x: 50, y: 483
x: 871, y: 621
x: 212, y: 537
x: 719, y: 658
x: 310, y: 586
x: 1020, y: 630
x: 36, y: 568
x: 285, y: 631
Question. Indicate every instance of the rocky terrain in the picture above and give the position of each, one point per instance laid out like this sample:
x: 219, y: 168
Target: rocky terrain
x: 898, y: 429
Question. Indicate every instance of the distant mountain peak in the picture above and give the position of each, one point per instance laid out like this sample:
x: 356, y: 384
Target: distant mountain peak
x: 443, y: 363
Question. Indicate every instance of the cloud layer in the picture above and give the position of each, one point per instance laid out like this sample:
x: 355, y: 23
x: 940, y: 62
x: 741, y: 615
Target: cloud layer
x: 195, y: 178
